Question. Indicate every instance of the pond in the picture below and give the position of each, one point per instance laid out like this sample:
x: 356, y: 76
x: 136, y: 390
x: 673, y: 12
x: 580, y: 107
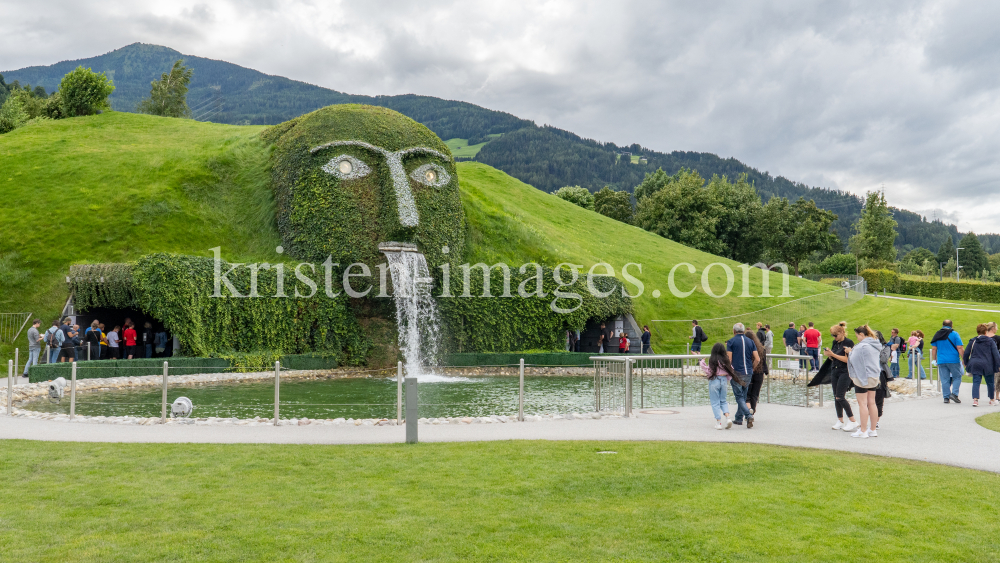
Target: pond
x: 376, y: 397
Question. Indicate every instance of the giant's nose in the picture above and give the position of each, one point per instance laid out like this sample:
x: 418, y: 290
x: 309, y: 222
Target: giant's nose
x: 407, y: 207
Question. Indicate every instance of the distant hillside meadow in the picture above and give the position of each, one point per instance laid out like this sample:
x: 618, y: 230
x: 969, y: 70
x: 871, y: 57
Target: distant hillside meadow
x: 544, y: 157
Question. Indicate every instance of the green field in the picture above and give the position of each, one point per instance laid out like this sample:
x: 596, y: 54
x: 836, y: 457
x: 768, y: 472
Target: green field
x: 502, y: 501
x: 460, y: 148
x: 112, y: 187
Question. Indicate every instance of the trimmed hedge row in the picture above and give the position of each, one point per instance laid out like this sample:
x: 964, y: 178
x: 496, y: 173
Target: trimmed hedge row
x: 964, y: 291
x: 154, y: 366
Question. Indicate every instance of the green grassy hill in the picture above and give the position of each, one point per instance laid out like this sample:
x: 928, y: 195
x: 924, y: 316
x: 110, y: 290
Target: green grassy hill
x: 112, y: 187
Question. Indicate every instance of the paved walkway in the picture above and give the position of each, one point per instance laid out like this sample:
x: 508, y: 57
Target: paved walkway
x: 920, y: 429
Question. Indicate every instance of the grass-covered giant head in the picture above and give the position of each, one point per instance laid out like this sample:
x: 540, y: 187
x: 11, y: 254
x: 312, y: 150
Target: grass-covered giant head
x: 348, y: 177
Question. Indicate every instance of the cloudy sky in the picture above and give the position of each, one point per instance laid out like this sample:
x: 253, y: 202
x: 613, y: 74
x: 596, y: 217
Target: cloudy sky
x: 850, y: 95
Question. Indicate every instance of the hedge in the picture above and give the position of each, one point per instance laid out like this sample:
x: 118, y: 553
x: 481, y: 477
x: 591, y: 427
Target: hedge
x: 321, y: 215
x: 965, y: 291
x: 154, y: 366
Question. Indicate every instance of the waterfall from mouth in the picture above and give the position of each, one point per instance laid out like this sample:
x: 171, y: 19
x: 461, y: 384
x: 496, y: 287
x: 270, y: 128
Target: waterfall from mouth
x: 416, y: 312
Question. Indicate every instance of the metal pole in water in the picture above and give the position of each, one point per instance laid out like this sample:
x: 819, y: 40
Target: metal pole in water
x: 277, y: 384
x: 399, y: 393
x: 642, y: 385
x: 163, y: 409
x: 412, y: 410
x: 520, y: 394
x: 72, y: 393
x: 10, y: 386
x: 628, y: 386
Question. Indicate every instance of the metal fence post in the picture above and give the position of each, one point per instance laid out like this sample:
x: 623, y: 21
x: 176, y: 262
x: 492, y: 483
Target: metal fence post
x: 682, y: 386
x: 820, y: 394
x: 47, y: 355
x: 399, y: 393
x: 412, y: 410
x: 17, y: 352
x: 72, y: 393
x: 628, y: 386
x: 642, y: 385
x: 10, y: 386
x: 163, y: 409
x: 520, y: 394
x: 88, y: 351
x: 277, y: 384
x: 597, y: 386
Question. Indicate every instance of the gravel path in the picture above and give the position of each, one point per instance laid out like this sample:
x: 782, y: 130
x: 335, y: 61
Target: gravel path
x: 919, y: 429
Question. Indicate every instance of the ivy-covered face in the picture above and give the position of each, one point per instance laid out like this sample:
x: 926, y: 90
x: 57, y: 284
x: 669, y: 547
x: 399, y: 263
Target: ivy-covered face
x: 349, y: 177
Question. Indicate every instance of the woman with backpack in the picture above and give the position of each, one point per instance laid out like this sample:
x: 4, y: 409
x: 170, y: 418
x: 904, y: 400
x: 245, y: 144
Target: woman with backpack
x: 982, y: 360
x: 759, y: 371
x: 719, y: 372
x: 864, y: 367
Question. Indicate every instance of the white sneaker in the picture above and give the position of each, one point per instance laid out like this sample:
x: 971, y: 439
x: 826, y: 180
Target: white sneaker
x: 729, y: 424
x: 838, y: 426
x: 873, y: 434
x: 718, y: 426
x: 859, y: 433
x: 850, y: 426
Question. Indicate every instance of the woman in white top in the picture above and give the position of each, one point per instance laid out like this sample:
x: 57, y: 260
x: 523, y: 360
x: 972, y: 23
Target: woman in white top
x: 864, y: 368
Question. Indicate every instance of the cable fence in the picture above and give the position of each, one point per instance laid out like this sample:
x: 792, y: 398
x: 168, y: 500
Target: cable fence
x: 12, y: 325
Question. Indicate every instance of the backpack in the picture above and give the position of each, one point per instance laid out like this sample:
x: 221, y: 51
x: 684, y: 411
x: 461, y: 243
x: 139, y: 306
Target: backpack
x: 701, y: 334
x: 902, y: 345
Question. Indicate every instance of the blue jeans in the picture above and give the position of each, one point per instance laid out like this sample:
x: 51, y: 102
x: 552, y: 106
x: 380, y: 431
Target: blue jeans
x: 814, y: 354
x: 919, y: 362
x: 149, y: 350
x: 951, y: 378
x: 975, y: 385
x: 717, y: 396
x: 894, y: 367
x: 54, y: 355
x: 740, y: 394
x: 32, y: 359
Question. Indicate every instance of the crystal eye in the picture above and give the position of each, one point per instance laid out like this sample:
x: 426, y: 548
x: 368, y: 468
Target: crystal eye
x: 431, y: 175
x: 346, y: 167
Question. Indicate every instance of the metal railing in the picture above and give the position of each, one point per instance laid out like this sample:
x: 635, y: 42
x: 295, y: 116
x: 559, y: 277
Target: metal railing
x: 11, y: 326
x: 650, y: 381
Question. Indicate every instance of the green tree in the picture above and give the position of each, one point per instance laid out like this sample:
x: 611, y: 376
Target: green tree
x: 682, y: 211
x: 972, y: 258
x: 614, y: 204
x: 577, y: 196
x: 652, y: 183
x: 85, y: 92
x: 839, y: 264
x: 919, y: 255
x: 995, y: 261
x: 875, y: 231
x: 12, y: 114
x: 946, y: 251
x: 168, y: 95
x: 794, y: 231
x: 738, y: 209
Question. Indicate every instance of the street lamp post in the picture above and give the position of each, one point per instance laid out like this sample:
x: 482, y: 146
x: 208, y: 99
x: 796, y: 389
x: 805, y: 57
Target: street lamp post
x: 958, y: 269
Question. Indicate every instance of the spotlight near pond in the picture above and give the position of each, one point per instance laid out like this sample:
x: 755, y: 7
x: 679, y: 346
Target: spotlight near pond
x: 57, y: 389
x: 181, y: 408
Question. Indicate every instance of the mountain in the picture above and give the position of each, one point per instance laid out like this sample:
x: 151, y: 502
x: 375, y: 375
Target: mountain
x: 545, y: 157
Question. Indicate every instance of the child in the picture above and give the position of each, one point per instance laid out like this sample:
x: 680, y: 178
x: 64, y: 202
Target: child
x: 719, y: 373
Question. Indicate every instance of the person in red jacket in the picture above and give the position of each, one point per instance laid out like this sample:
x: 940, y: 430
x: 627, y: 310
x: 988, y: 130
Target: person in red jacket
x: 130, y: 337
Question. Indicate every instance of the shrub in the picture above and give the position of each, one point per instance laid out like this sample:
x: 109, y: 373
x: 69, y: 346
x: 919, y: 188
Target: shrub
x: 577, y: 196
x: 614, y: 204
x: 879, y: 280
x: 841, y: 264
x: 84, y: 92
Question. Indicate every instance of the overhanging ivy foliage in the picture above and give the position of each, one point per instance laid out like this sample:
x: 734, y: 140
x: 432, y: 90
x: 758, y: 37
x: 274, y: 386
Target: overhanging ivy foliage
x: 178, y: 291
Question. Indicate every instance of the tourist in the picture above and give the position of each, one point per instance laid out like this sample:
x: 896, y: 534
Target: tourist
x: 67, y: 329
x: 54, y: 338
x: 946, y: 354
x: 791, y: 338
x: 35, y: 340
x: 697, y: 337
x: 982, y: 360
x: 744, y: 357
x: 840, y: 379
x: 915, y: 353
x: 77, y: 343
x: 104, y: 342
x: 113, y: 341
x: 813, y: 340
x: 645, y: 340
x: 160, y: 341
x: 991, y: 331
x: 761, y: 333
x: 68, y: 352
x: 147, y: 339
x: 602, y: 342
x: 768, y: 339
x: 93, y: 340
x: 130, y: 340
x: 865, y: 370
x: 760, y: 370
x: 623, y: 343
x: 570, y: 341
x: 719, y: 372
x: 895, y: 343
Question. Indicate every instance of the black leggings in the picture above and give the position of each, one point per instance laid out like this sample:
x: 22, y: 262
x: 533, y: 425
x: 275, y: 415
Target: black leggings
x: 841, y: 383
x: 753, y: 393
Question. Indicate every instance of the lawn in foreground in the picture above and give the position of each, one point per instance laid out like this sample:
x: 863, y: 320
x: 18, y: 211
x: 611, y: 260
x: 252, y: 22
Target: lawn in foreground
x: 989, y: 421
x: 509, y: 501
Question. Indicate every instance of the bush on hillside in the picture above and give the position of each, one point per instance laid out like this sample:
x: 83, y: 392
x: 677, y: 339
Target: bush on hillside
x: 85, y: 92
x: 841, y: 264
x: 614, y: 204
x: 577, y: 196
x: 12, y: 114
